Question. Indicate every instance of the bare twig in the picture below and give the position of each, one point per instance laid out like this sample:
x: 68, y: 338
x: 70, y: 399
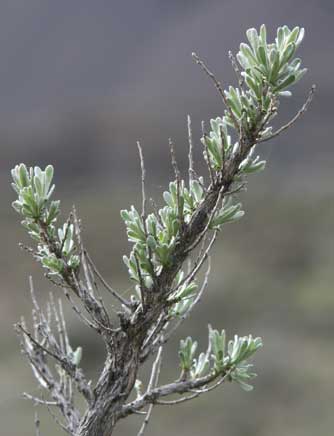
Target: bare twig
x: 190, y: 154
x: 112, y: 291
x: 178, y: 401
x: 37, y: 425
x: 152, y: 383
x: 40, y: 346
x: 66, y: 428
x: 61, y: 327
x: 236, y: 68
x: 98, y: 294
x: 294, y: 119
x: 155, y: 371
x: 37, y: 400
x: 92, y: 305
x: 219, y: 88
x: 78, y: 312
x: 154, y: 330
x: 178, y: 184
x: 143, y: 172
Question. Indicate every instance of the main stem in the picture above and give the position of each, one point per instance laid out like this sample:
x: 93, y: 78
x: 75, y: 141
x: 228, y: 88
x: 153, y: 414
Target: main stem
x: 121, y: 368
x: 113, y: 388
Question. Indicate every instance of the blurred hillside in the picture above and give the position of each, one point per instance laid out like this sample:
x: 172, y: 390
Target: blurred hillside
x: 80, y: 83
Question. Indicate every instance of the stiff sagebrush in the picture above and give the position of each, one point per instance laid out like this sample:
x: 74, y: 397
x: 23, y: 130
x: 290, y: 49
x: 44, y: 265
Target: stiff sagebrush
x: 165, y: 291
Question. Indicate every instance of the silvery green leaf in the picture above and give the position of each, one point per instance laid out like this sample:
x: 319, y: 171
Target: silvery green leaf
x: 286, y: 31
x: 295, y: 64
x: 300, y: 37
x: 27, y: 211
x: 187, y: 289
x: 196, y: 190
x: 201, y: 366
x: 253, y: 38
x: 126, y: 261
x: 53, y: 211
x: 275, y: 66
x: 168, y: 199
x: 285, y: 83
x: 148, y: 281
x: 17, y: 205
x: 247, y: 53
x: 280, y: 38
x: 77, y: 356
x: 245, y: 386
x: 74, y: 261
x: 254, y: 166
x: 293, y: 35
x: 217, y: 344
x: 151, y: 242
x: 138, y: 387
x: 15, y: 175
x: 215, y: 154
x: 227, y: 214
x: 285, y: 93
x: 16, y: 188
x: 53, y: 264
x: 187, y: 352
x: 180, y: 308
x: 255, y: 87
x: 125, y: 215
x: 263, y: 56
x: 233, y: 98
x: 50, y: 192
x: 299, y: 74
x: 288, y: 53
x: 49, y: 171
x: 263, y: 35
x: 243, y: 61
x: 162, y: 252
x: 151, y: 223
x: 23, y: 176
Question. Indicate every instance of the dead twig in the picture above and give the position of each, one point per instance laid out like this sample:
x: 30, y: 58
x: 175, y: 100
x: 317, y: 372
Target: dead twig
x: 219, y: 88
x: 294, y: 119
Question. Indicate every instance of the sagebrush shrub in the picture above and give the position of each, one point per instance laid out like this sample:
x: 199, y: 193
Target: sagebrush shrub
x: 165, y: 289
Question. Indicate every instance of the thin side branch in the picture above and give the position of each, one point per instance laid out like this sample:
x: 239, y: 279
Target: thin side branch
x: 178, y: 387
x: 219, y: 87
x: 152, y: 383
x: 112, y: 291
x: 300, y: 113
x: 178, y: 183
x: 37, y: 425
x: 37, y: 400
x: 190, y: 154
x: 143, y: 173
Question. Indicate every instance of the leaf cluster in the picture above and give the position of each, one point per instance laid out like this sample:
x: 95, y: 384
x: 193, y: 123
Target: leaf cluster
x: 56, y: 247
x: 221, y: 357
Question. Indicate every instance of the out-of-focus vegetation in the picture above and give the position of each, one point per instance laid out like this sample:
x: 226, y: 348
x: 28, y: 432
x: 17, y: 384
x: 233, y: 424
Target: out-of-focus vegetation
x: 271, y: 275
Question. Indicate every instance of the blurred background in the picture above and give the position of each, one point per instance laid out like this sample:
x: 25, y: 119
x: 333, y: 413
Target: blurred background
x: 80, y: 83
